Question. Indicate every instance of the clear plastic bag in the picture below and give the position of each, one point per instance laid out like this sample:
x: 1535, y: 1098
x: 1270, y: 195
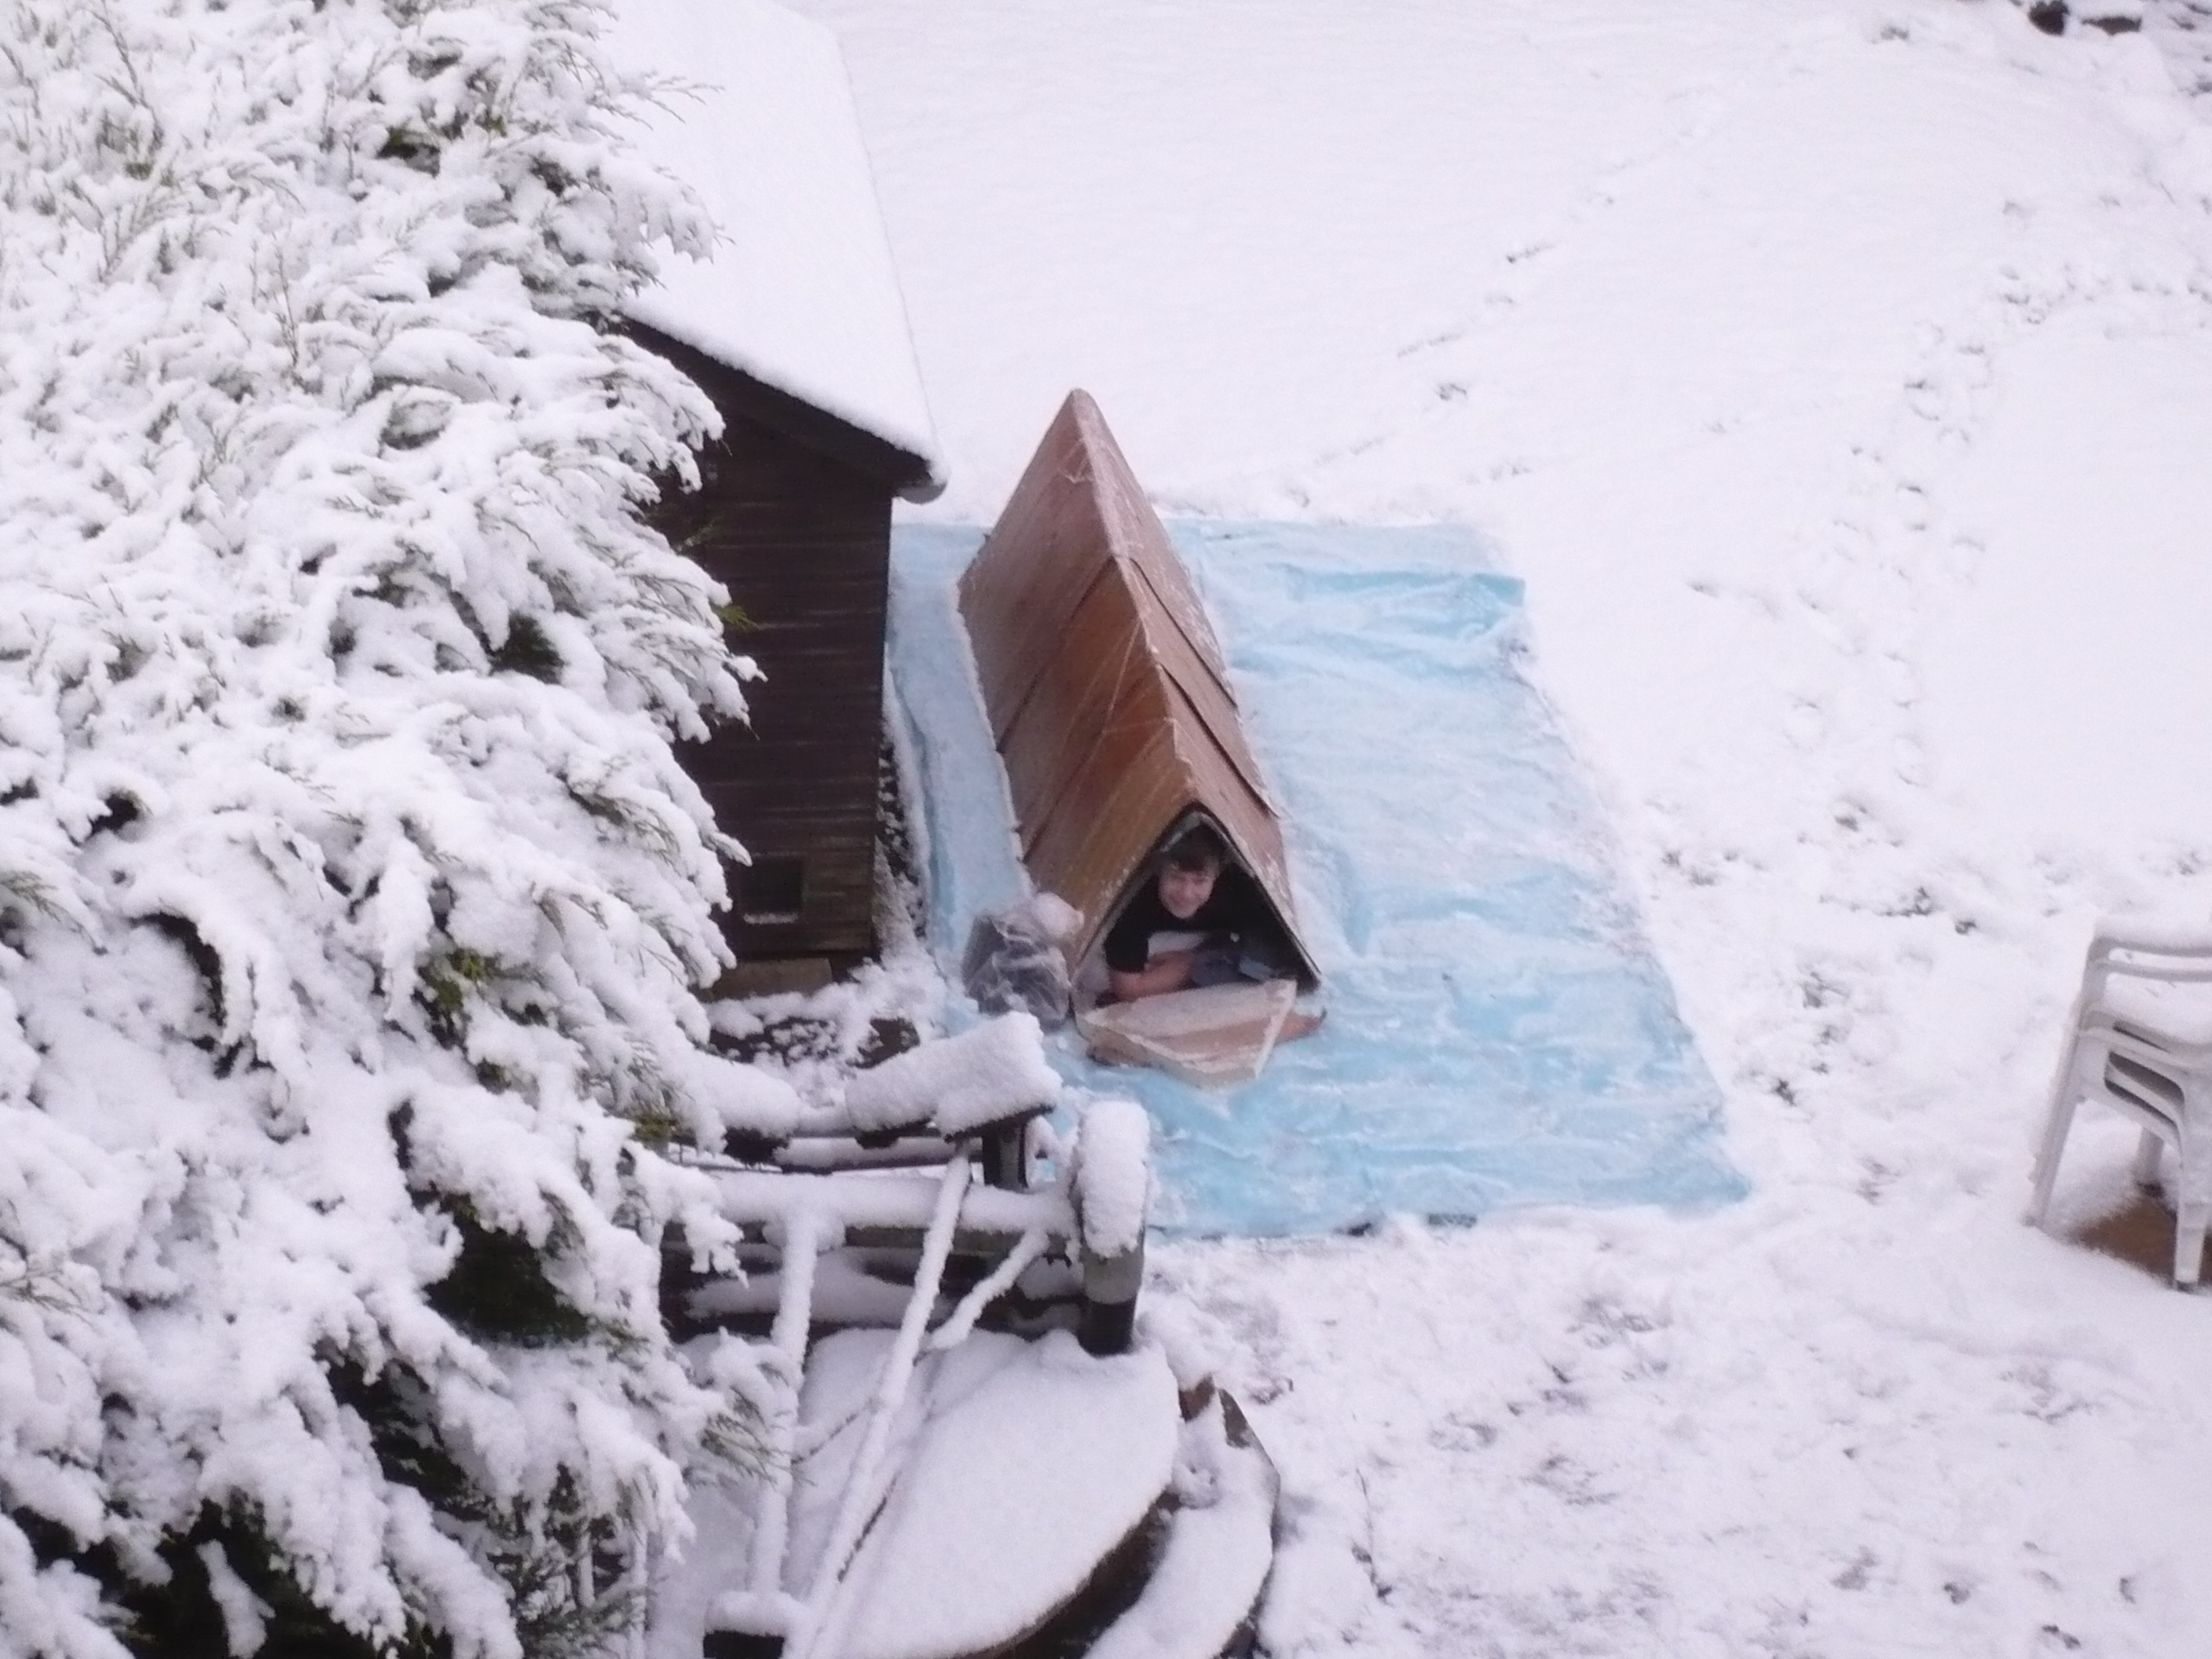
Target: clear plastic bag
x: 1014, y: 959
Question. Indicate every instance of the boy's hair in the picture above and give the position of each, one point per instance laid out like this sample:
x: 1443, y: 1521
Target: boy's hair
x: 1199, y: 848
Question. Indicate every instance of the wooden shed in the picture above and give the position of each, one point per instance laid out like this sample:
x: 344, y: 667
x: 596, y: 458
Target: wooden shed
x: 796, y: 329
x: 1107, y: 691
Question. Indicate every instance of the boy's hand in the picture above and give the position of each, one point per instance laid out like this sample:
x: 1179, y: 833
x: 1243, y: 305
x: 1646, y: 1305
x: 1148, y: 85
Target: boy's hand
x: 1168, y: 971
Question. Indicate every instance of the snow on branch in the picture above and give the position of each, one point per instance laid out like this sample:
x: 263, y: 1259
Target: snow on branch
x: 352, y: 903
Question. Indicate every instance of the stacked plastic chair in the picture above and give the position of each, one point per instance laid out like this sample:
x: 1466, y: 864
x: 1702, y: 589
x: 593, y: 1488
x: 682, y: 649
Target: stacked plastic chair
x: 2133, y: 1045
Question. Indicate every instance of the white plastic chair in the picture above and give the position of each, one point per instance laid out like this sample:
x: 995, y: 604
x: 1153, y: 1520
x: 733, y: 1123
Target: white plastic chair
x: 2128, y: 1047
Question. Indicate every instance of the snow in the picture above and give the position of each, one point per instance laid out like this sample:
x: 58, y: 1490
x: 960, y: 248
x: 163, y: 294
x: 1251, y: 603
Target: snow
x: 972, y: 1547
x: 843, y: 1293
x: 687, y: 1590
x: 2121, y: 416
x: 748, y: 1099
x: 800, y: 288
x: 1218, y: 1553
x: 884, y: 1200
x: 1829, y: 373
x: 1011, y: 1496
x: 840, y: 1375
x: 1113, y: 1175
x: 1050, y: 916
x: 245, y: 1615
x: 957, y: 1084
x: 819, y: 1629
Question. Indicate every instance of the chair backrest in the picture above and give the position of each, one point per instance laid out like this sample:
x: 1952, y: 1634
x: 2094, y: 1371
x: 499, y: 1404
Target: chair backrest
x: 2141, y: 953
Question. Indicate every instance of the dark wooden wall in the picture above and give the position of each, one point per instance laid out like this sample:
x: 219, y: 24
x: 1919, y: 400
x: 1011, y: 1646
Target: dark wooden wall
x: 803, y: 543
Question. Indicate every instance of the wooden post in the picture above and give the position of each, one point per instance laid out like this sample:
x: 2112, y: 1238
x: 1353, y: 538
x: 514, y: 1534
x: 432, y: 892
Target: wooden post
x: 1110, y: 1284
x: 1006, y: 1155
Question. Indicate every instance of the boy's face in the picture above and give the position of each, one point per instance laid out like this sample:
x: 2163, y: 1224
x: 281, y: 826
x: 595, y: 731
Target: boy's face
x: 1183, y: 891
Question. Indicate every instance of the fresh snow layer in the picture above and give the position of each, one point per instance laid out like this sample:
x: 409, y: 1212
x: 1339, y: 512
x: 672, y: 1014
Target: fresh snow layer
x: 1113, y: 1175
x: 1016, y: 1466
x: 1498, y: 1031
x: 1220, y: 1546
x: 842, y: 1370
x: 1010, y: 1498
x: 957, y: 1083
x: 800, y: 290
x: 713, y: 1564
x: 1832, y: 374
x: 747, y: 1099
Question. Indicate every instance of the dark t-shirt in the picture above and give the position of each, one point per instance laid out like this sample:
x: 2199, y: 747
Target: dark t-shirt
x: 1233, y: 909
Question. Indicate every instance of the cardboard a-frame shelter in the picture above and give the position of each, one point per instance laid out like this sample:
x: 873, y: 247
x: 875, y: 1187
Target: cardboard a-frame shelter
x: 1106, y: 689
x: 794, y: 326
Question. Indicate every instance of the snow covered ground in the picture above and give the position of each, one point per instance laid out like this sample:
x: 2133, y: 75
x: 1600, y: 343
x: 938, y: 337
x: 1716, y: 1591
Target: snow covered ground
x: 1838, y: 376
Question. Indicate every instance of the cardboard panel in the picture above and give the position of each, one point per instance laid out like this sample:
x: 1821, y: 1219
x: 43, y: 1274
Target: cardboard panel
x: 1105, y: 684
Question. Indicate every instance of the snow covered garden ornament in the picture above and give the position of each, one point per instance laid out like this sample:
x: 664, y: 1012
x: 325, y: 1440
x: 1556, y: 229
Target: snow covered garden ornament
x: 351, y: 903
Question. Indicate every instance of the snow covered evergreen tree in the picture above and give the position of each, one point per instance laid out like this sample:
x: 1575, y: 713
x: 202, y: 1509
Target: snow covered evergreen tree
x: 351, y: 903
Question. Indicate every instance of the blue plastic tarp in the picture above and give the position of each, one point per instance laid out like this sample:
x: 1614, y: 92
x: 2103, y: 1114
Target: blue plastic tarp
x: 1498, y: 1032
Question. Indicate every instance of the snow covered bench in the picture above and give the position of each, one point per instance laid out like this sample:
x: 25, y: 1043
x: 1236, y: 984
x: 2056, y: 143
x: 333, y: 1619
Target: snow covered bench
x: 835, y: 1210
x: 982, y: 1089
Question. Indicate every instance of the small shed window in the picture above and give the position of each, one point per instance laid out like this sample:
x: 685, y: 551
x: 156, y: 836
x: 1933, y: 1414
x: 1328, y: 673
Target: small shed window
x: 773, y: 890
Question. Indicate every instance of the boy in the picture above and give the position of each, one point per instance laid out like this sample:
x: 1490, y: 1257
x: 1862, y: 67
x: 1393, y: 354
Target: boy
x: 1201, y: 920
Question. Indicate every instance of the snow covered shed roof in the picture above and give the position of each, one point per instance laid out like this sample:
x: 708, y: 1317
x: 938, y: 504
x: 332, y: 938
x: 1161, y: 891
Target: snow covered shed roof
x: 1107, y: 692
x: 801, y: 293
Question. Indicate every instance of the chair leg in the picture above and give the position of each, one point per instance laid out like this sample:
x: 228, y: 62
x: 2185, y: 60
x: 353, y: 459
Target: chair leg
x: 2192, y: 1185
x: 2146, y: 1151
x: 2059, y: 1120
x: 2189, y: 1229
